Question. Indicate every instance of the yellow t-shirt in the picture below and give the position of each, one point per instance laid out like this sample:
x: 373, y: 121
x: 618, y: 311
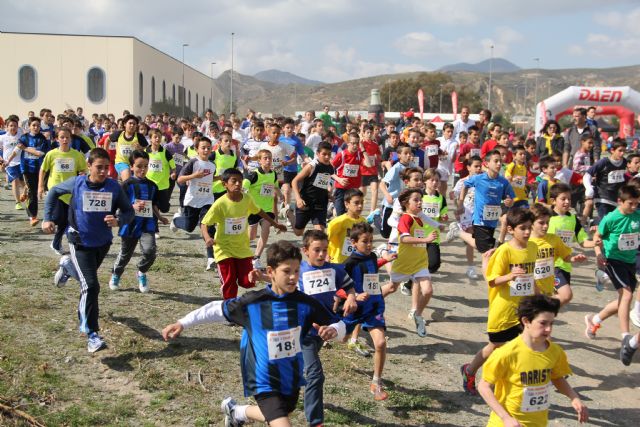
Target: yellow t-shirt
x: 232, y: 230
x: 63, y: 165
x: 518, y: 175
x: 522, y: 379
x: 338, y: 231
x: 550, y: 248
x: 412, y: 257
x: 504, y: 299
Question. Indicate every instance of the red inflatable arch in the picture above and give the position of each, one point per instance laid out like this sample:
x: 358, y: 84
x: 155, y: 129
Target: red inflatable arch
x: 619, y: 100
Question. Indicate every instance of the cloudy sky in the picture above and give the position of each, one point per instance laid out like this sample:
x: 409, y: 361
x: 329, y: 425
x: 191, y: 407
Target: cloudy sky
x: 335, y: 40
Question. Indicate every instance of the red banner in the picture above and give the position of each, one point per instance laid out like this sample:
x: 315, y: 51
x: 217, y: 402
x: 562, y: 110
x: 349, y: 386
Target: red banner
x: 454, y: 103
x: 421, y: 102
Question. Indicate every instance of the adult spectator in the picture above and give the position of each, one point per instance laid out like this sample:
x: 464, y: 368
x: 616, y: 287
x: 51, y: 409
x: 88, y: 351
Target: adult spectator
x: 550, y: 139
x: 463, y: 123
x: 574, y: 133
x: 485, y: 119
x: 325, y: 117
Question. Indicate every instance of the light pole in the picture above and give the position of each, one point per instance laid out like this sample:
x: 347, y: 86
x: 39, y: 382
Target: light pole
x: 231, y: 100
x: 183, y: 89
x: 535, y: 100
x: 516, y: 102
x: 389, y: 83
x: 440, y: 109
x: 490, y: 77
x: 211, y: 98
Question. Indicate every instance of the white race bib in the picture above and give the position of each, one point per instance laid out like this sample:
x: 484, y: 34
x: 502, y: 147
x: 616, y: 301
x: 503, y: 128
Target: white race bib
x: 432, y: 150
x: 155, y: 165
x: 415, y: 161
x: 491, y: 213
x: 322, y: 180
x: 371, y: 284
x: 419, y: 233
x: 475, y: 152
x: 347, y: 247
x: 518, y: 181
x: 125, y: 150
x: 235, y: 225
x: 566, y: 236
x: 628, y: 242
x: 521, y: 286
x: 615, y: 176
x: 543, y: 268
x: 95, y: 201
x: 62, y: 165
x: 431, y: 209
x: 319, y: 281
x: 266, y: 190
x: 203, y: 188
x: 178, y: 159
x: 112, y: 145
x: 351, y: 171
x: 146, y: 212
x: 30, y: 156
x: 535, y: 399
x: 283, y: 344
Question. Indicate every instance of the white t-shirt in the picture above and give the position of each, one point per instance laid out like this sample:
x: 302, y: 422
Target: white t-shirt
x: 279, y: 152
x: 449, y: 148
x: 304, y: 127
x: 199, y: 190
x: 8, y: 144
x: 466, y: 219
x: 251, y: 148
x: 313, y: 141
x: 460, y: 126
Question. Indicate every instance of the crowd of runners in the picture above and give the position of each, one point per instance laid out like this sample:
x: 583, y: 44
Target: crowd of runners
x: 340, y: 183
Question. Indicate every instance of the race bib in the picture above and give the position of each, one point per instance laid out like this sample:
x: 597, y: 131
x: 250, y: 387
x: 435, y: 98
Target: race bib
x: 319, y: 281
x: 203, y: 188
x: 322, y: 181
x: 95, y: 201
x: 521, y: 286
x: 235, y: 225
x: 615, y: 177
x: 431, y: 209
x: 64, y: 165
x: 415, y: 161
x: 419, y: 232
x: 282, y: 344
x: 146, y: 211
x: 518, y: 181
x: 491, y: 213
x: 535, y: 399
x: 475, y: 152
x: 30, y: 156
x: 628, y: 242
x: 347, y: 247
x: 155, y: 165
x: 543, y: 268
x: 266, y: 190
x: 125, y: 150
x: 432, y: 150
x: 351, y: 171
x: 112, y: 145
x: 178, y: 159
x: 371, y: 284
x: 565, y: 235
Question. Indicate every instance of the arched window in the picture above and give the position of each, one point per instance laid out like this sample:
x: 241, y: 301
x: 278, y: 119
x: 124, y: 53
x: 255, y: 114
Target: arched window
x: 164, y: 91
x: 173, y: 98
x: 27, y: 82
x: 153, y: 89
x: 96, y: 85
x: 197, y: 104
x: 140, y: 88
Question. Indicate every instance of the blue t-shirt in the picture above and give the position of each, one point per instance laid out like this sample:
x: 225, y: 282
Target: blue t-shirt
x: 321, y: 283
x: 29, y: 162
x: 489, y: 195
x: 394, y: 182
x: 295, y: 142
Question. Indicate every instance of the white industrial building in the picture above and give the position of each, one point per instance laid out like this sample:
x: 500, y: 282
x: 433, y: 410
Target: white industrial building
x: 102, y: 74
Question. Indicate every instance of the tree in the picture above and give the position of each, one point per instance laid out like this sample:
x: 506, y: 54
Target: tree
x: 170, y: 107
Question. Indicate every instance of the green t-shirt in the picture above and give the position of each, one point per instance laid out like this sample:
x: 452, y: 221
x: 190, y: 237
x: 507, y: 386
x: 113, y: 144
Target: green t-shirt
x: 620, y: 235
x: 435, y: 207
x: 261, y: 187
x: 160, y: 166
x: 62, y: 165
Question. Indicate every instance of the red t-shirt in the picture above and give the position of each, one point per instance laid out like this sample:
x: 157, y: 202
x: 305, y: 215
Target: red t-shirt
x: 488, y: 145
x: 372, y: 151
x: 348, y: 165
x: 533, y: 170
x: 431, y: 153
x: 460, y: 161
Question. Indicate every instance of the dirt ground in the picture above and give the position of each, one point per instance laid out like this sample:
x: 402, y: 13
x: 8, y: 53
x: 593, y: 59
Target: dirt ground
x: 46, y: 371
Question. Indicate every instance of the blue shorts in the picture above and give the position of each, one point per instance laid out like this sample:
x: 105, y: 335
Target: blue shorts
x: 13, y: 173
x: 521, y: 204
x: 369, y: 315
x: 121, y: 166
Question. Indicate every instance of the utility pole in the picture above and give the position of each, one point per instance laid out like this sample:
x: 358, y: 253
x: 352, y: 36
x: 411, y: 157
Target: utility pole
x: 211, y: 98
x: 389, y: 83
x: 490, y: 79
x: 440, y: 109
x: 184, y: 91
x: 231, y: 100
x: 535, y: 100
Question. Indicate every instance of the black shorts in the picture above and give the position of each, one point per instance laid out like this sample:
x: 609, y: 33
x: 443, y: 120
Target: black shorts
x: 164, y: 200
x: 562, y: 278
x: 622, y: 274
x: 368, y: 179
x: 506, y: 335
x: 316, y: 216
x: 288, y: 176
x: 255, y: 219
x: 274, y: 405
x: 484, y: 238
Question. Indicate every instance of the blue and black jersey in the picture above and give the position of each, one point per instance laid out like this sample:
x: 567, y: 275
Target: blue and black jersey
x: 363, y: 270
x: 144, y: 221
x: 271, y: 345
x: 30, y: 163
x: 322, y: 283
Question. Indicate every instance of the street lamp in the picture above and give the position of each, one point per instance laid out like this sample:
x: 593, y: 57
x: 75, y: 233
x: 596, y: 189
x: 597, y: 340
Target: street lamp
x: 490, y: 77
x: 231, y: 100
x: 389, y: 83
x: 535, y: 100
x: 211, y: 98
x: 440, y: 109
x: 183, y: 89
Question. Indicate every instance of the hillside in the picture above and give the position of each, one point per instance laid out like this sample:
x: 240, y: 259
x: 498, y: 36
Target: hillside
x: 284, y: 78
x: 499, y: 65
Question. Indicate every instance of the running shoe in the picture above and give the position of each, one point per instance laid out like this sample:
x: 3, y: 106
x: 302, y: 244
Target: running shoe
x: 372, y: 215
x: 143, y: 285
x: 257, y: 264
x: 95, y: 343
x: 471, y: 273
x: 421, y: 328
x: 172, y: 225
x: 468, y: 380
x: 56, y: 250
x: 114, y: 282
x: 210, y: 264
x: 453, y: 233
x: 157, y: 236
x: 378, y: 392
x: 19, y: 206
x: 34, y: 221
x: 228, y: 406
x: 358, y: 348
x: 405, y: 288
x: 61, y: 277
x: 626, y: 351
x: 635, y: 318
x: 592, y: 328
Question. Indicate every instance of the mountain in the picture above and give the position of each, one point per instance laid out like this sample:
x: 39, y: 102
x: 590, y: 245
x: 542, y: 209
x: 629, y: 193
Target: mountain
x: 284, y: 78
x: 500, y: 65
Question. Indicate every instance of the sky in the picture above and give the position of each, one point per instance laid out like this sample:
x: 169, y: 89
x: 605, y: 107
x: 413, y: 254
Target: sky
x: 337, y: 40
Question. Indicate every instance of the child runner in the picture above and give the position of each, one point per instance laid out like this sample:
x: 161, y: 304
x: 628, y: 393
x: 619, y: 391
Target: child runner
x: 290, y: 170
x: 434, y: 206
x: 271, y: 347
x: 546, y: 179
x: 161, y: 169
x: 224, y: 157
x: 33, y: 146
x: 348, y: 174
x: 509, y: 274
x: 391, y: 185
x: 11, y: 159
x: 176, y: 149
x: 516, y: 379
x: 94, y: 202
x: 262, y: 186
x: 143, y: 195
x: 449, y: 147
x: 339, y: 228
x: 460, y: 163
x: 252, y: 146
x: 311, y: 190
x: 371, y: 152
x: 230, y: 244
x: 126, y: 141
x: 60, y: 164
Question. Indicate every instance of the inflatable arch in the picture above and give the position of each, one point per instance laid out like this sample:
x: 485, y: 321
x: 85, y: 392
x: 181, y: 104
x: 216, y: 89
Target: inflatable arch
x: 619, y: 100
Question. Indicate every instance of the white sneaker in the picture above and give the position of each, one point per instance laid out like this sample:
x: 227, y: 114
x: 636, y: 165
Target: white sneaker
x: 172, y: 226
x: 95, y: 343
x: 157, y: 236
x: 406, y: 288
x: 61, y: 277
x: 453, y: 233
x: 228, y: 406
x: 257, y: 264
x: 143, y: 284
x: 635, y: 318
x: 412, y: 314
x: 114, y: 282
x: 421, y: 329
x: 210, y: 264
x: 471, y: 273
